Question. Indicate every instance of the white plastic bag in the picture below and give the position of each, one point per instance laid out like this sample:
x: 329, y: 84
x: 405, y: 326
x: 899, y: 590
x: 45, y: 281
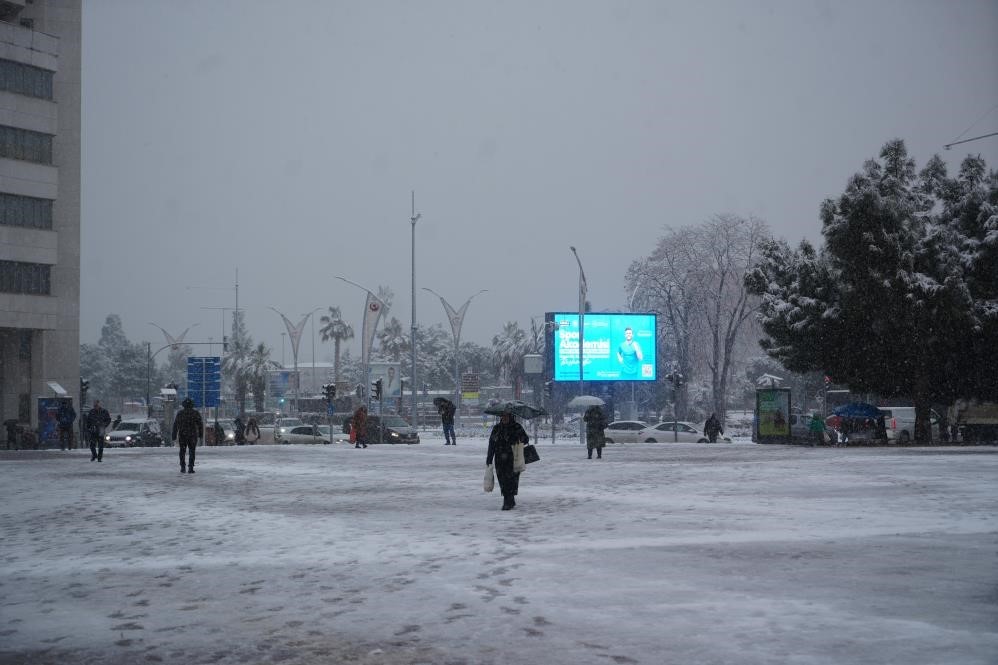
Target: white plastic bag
x: 518, y: 463
x: 490, y: 479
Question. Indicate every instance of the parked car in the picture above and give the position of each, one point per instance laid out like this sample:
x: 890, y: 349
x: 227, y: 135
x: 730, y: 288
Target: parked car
x: 390, y: 429
x: 134, y: 432
x: 307, y: 434
x: 681, y: 432
x: 624, y: 431
x: 900, y: 421
x: 284, y: 425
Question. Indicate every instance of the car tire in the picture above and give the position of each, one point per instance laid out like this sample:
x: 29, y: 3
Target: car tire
x: 650, y: 441
x: 702, y: 441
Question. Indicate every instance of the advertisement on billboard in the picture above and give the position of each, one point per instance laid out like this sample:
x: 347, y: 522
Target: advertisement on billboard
x: 616, y: 347
x: 773, y: 412
x: 391, y: 378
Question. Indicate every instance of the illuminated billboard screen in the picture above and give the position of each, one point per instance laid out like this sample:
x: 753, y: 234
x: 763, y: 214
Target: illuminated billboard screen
x: 616, y: 347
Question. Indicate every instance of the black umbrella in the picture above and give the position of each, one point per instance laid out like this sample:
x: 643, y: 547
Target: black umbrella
x: 440, y: 401
x: 516, y: 407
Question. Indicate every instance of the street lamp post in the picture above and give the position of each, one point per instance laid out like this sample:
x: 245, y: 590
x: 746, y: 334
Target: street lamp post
x: 294, y: 332
x: 582, y: 311
x: 173, y: 343
x: 412, y: 333
x: 456, y: 318
x: 314, y: 388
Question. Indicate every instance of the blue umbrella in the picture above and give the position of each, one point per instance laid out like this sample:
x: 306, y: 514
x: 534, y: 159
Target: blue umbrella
x: 857, y: 410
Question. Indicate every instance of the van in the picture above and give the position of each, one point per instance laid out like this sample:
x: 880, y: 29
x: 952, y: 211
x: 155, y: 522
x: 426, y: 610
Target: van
x: 900, y: 421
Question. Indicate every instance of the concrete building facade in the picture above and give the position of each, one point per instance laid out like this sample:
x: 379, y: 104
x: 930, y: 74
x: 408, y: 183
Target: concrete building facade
x: 40, y: 96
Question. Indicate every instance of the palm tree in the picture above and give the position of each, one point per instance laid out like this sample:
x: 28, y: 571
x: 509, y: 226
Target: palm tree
x: 508, y: 349
x: 336, y: 329
x: 257, y: 371
x: 393, y: 339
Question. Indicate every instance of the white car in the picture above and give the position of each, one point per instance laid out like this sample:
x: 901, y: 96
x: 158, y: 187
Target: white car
x: 624, y: 431
x: 673, y: 431
x: 284, y: 425
x: 307, y: 434
x: 900, y: 422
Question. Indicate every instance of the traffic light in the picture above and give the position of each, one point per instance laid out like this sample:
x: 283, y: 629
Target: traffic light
x: 376, y: 389
x: 329, y: 391
x: 225, y: 343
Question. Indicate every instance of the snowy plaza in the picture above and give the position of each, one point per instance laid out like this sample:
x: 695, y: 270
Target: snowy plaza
x: 682, y: 553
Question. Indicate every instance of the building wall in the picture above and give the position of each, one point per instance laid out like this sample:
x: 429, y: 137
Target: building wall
x: 45, y: 34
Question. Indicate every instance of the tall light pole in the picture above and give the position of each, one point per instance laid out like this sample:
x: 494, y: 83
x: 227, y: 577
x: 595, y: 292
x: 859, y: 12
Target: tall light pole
x: 582, y: 312
x: 294, y: 332
x: 412, y: 334
x: 313, y: 347
x: 173, y: 343
x: 456, y: 318
x: 374, y: 307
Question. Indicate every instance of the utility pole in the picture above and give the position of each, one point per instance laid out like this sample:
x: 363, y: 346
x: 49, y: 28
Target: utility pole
x: 412, y: 335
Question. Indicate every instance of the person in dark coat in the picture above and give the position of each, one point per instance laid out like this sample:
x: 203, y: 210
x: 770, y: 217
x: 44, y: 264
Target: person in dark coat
x: 359, y: 425
x: 188, y: 427
x: 240, y: 431
x: 504, y: 434
x: 252, y: 433
x: 116, y: 422
x: 65, y: 418
x: 595, y: 424
x: 446, y: 411
x: 712, y: 428
x: 98, y: 419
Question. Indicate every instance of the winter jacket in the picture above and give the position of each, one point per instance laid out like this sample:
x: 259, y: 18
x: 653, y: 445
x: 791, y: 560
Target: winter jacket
x: 712, y: 426
x: 595, y: 424
x: 447, y: 413
x: 188, y: 426
x: 360, y: 423
x: 66, y: 416
x: 816, y: 425
x: 97, y: 419
x: 501, y: 441
x: 252, y: 432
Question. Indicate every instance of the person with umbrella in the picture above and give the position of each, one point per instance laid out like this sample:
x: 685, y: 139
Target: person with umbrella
x: 446, y: 409
x: 505, y: 434
x: 595, y: 424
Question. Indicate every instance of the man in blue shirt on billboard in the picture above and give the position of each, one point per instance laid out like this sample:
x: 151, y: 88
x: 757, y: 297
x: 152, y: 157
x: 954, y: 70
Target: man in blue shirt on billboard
x: 629, y: 353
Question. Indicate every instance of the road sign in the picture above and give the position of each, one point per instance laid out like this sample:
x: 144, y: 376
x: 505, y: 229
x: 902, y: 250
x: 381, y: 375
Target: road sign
x: 204, y: 380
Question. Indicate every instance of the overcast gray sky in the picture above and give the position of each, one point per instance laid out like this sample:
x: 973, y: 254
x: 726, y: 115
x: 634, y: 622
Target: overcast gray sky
x: 284, y: 139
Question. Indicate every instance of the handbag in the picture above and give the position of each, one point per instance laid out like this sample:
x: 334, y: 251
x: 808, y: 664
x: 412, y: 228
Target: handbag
x: 530, y: 454
x: 490, y: 479
x: 518, y: 464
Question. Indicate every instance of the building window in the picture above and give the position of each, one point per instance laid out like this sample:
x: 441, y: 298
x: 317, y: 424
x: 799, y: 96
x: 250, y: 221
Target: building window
x: 25, y: 144
x: 25, y: 79
x: 31, y: 278
x: 24, y: 350
x: 25, y: 211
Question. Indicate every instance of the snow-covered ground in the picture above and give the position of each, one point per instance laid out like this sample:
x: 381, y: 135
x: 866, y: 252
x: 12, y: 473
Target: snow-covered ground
x: 656, y: 554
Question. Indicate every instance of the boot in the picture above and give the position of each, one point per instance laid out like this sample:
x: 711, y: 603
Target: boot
x: 599, y: 453
x: 183, y: 469
x: 190, y: 469
x: 506, y: 505
x: 590, y: 453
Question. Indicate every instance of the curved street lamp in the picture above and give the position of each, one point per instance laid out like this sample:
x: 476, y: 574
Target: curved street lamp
x: 582, y: 311
x: 456, y: 318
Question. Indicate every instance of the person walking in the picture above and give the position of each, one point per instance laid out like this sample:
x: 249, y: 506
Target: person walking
x: 359, y: 425
x: 240, y: 431
x: 817, y: 429
x: 188, y: 427
x: 65, y: 418
x: 595, y: 424
x: 446, y: 411
x: 98, y: 419
x: 252, y: 434
x: 504, y: 434
x: 116, y: 422
x: 712, y: 428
